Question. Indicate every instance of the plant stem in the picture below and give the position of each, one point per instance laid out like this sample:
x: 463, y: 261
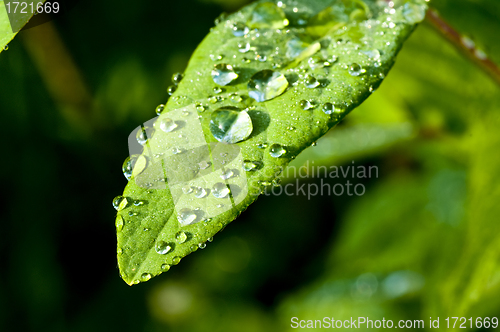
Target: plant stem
x: 464, y: 45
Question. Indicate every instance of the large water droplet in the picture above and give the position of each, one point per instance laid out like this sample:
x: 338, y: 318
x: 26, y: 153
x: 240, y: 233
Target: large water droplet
x: 220, y: 190
x: 167, y: 125
x: 181, y: 237
x: 120, y: 202
x: 414, y: 13
x: 356, y: 70
x: 119, y: 223
x: 266, y: 85
x: 162, y: 247
x: 276, y: 150
x: 240, y: 29
x: 186, y: 217
x: 223, y: 74
x: 230, y: 125
x: 249, y: 165
x: 267, y: 16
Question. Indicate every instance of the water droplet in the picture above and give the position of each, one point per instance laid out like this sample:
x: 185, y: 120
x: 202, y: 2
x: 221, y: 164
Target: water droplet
x: 159, y: 109
x: 311, y: 82
x: 216, y: 57
x: 249, y: 165
x: 261, y: 145
x: 177, y: 150
x: 171, y: 89
x: 165, y: 267
x: 306, y: 105
x: 176, y: 260
x: 177, y: 78
x: 294, y: 47
x: 267, y: 16
x: 138, y: 202
x: 187, y: 189
x: 317, y: 62
x: 132, y: 214
x: 277, y: 182
x: 200, y: 192
x: 328, y: 108
x: 372, y: 54
x: 186, y: 217
x: 314, y: 144
x: 120, y: 202
x: 414, y: 13
x: 223, y: 74
x: 276, y: 150
x: 220, y: 190
x: 220, y: 205
x: 145, y: 276
x: 167, y: 125
x: 6, y: 47
x: 244, y: 47
x: 181, y: 237
x: 230, y: 125
x: 202, y: 245
x: 210, y: 239
x: 356, y: 70
x: 200, y: 108
x: 266, y: 85
x: 144, y: 134
x: 162, y: 247
x: 204, y: 164
x: 119, y: 223
x: 227, y: 174
x: 240, y: 29
x: 218, y: 90
x: 236, y: 99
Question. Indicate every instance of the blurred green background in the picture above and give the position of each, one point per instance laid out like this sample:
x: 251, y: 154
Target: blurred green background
x: 423, y: 241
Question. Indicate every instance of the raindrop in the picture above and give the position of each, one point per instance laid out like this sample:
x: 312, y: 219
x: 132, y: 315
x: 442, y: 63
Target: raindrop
x: 176, y: 260
x: 236, y: 99
x: 311, y: 82
x: 414, y: 13
x: 218, y: 90
x: 165, y: 267
x: 138, y: 202
x: 227, y: 174
x: 134, y: 165
x: 200, y: 192
x: 244, y: 47
x: 356, y: 70
x: 276, y: 182
x: 261, y: 145
x: 240, y: 29
x: 181, y: 237
x: 186, y: 217
x: 167, y: 125
x: 119, y: 223
x: 372, y: 54
x: 202, y: 245
x: 223, y: 74
x: 162, y: 247
x: 132, y: 214
x: 306, y: 105
x: 328, y: 108
x: 220, y: 190
x: 177, y: 78
x: 187, y: 189
x: 267, y: 16
x: 200, y: 108
x: 266, y: 85
x: 230, y: 125
x: 144, y: 134
x: 249, y: 165
x: 120, y: 202
x: 6, y: 47
x: 171, y: 89
x: 276, y: 150
x: 145, y: 276
x: 159, y: 109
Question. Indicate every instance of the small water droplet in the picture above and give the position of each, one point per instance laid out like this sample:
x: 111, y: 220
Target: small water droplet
x: 165, y: 267
x: 261, y: 145
x: 6, y: 47
x: 277, y: 182
x: 218, y: 90
x: 210, y: 239
x: 236, y: 99
x: 220, y: 190
x: 227, y: 174
x: 187, y: 189
x: 132, y: 214
x: 162, y: 247
x: 138, y: 202
x: 186, y: 217
x: 230, y: 125
x: 223, y: 74
x: 181, y: 237
x: 220, y: 205
x: 328, y: 108
x: 119, y: 223
x: 200, y: 192
x: 176, y: 260
x: 244, y: 47
x: 249, y: 165
x: 356, y: 70
x: 240, y: 29
x: 276, y: 150
x: 202, y: 245
x: 204, y: 164
x: 177, y: 78
x: 120, y: 202
x: 267, y: 16
x: 216, y: 57
x: 372, y: 54
x: 311, y: 82
x: 200, y: 108
x: 266, y: 85
x: 314, y: 144
x: 159, y: 109
x: 306, y: 105
x: 144, y: 134
x: 171, y: 89
x: 177, y: 150
x: 414, y: 13
x: 145, y: 276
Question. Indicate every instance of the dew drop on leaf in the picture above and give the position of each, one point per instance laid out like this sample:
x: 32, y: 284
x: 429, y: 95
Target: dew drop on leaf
x: 200, y: 192
x: 240, y: 29
x: 311, y: 82
x: 177, y: 78
x: 267, y: 16
x: 144, y: 134
x: 328, y: 108
x: 186, y: 217
x: 145, y: 276
x: 266, y: 85
x: 414, y: 13
x: 276, y: 150
x: 159, y: 109
x: 305, y: 105
x: 181, y: 237
x: 220, y: 190
x: 165, y: 267
x: 171, y: 89
x: 230, y: 125
x: 162, y: 247
x: 249, y: 165
x: 223, y: 74
x: 356, y: 70
x: 227, y: 174
x: 120, y: 202
x: 119, y: 223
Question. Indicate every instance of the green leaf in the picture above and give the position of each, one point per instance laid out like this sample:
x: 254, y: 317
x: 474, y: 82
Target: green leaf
x: 17, y: 21
x: 349, y: 59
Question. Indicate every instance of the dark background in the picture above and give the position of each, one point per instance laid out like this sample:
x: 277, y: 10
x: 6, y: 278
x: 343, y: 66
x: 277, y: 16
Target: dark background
x: 423, y: 241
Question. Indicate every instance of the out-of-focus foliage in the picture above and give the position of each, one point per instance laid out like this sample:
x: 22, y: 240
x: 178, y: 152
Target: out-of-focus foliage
x: 423, y: 240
